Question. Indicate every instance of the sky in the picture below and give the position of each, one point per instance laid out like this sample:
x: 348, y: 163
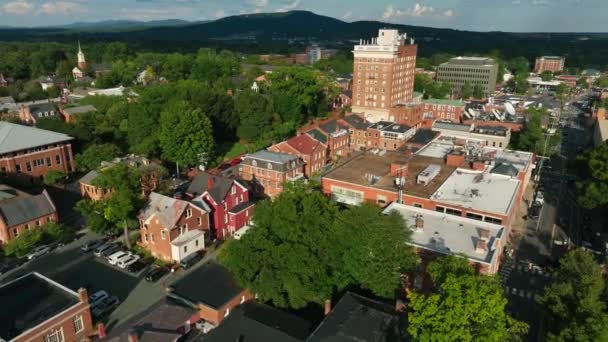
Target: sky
x: 477, y: 15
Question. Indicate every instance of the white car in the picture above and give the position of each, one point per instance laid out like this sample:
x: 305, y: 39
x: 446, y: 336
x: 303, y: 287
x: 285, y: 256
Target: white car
x: 38, y: 252
x: 113, y: 259
x: 124, y: 262
x: 97, y: 297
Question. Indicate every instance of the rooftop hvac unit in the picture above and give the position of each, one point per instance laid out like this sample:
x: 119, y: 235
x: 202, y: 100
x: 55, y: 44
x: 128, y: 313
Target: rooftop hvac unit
x: 428, y: 174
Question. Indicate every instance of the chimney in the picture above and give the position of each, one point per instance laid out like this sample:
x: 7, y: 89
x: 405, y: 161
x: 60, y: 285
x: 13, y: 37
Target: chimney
x: 419, y: 224
x: 133, y: 336
x: 209, y: 183
x: 327, y: 306
x: 481, y: 246
x: 83, y: 295
x: 101, y: 330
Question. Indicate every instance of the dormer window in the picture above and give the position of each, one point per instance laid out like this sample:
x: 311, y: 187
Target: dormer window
x: 254, y: 163
x: 269, y: 166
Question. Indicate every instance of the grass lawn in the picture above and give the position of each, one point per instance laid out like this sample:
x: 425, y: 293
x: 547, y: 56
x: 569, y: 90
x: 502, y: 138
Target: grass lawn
x: 229, y: 151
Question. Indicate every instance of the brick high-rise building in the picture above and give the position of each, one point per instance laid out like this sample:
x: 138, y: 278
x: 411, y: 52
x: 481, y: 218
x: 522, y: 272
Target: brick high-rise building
x: 384, y: 71
x: 549, y: 63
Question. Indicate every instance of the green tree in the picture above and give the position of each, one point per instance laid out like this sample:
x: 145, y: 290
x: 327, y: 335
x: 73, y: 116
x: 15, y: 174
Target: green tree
x: 177, y: 67
x: 93, y: 155
x: 546, y: 75
x: 467, y: 90
x: 54, y: 177
x: 519, y: 65
x: 374, y: 249
x: 288, y: 257
x: 24, y: 243
x: 92, y: 211
x: 341, y: 64
x: 582, y: 82
x: 602, y: 82
x: 64, y: 69
x: 125, y: 200
x: 255, y: 114
x: 593, y: 184
x: 185, y: 134
x: 478, y: 91
x: 464, y: 307
x: 576, y: 309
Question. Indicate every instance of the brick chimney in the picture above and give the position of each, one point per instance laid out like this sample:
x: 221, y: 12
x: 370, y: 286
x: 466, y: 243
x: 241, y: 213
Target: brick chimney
x: 209, y: 183
x: 482, y: 246
x: 327, y: 307
x: 399, y: 169
x: 419, y: 224
x: 133, y: 336
x: 101, y: 330
x: 83, y: 294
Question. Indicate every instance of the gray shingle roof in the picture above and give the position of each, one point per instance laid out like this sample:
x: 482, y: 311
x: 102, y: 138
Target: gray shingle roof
x: 14, y: 137
x: 357, y: 122
x: 26, y: 208
x: 279, y: 161
x: 89, y: 177
x: 218, y: 190
x: 80, y: 109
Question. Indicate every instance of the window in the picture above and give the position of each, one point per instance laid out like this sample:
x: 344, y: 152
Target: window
x: 78, y: 324
x: 233, y: 190
x: 199, y: 221
x: 27, y: 226
x: 185, y: 249
x: 453, y: 212
x: 189, y: 213
x: 440, y: 209
x: 48, y: 161
x: 145, y: 237
x: 37, y: 223
x: 58, y: 159
x: 28, y: 165
x: 196, y: 243
x: 269, y: 166
x: 475, y: 216
x: 492, y: 220
x: 417, y: 205
x: 55, y: 335
x: 16, y: 232
x: 162, y: 234
x: 254, y: 163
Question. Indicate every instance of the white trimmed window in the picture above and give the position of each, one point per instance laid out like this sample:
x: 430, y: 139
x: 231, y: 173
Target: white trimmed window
x: 189, y: 213
x: 162, y: 234
x: 55, y: 335
x: 199, y: 220
x: 78, y: 324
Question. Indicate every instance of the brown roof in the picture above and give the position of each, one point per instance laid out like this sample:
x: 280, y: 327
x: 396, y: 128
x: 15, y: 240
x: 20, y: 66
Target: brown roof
x: 304, y: 144
x: 356, y: 169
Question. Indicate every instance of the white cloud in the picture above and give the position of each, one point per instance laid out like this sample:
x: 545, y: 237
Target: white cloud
x: 540, y: 2
x: 449, y: 13
x: 259, y: 3
x: 347, y: 15
x: 289, y: 6
x: 417, y: 10
x: 220, y: 14
x: 61, y: 7
x: 19, y: 7
x: 516, y: 2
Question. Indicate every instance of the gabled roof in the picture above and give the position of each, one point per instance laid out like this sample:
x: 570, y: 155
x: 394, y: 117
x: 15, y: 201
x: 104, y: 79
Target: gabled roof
x: 89, y: 177
x: 304, y: 144
x: 356, y: 318
x: 318, y: 135
x: 332, y: 126
x: 259, y: 322
x: 14, y: 137
x: 24, y: 207
x: 42, y: 107
x: 210, y: 284
x: 219, y: 189
x: 167, y: 209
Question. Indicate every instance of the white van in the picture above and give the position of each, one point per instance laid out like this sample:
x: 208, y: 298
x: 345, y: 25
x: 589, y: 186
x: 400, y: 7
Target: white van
x: 113, y: 259
x: 127, y: 260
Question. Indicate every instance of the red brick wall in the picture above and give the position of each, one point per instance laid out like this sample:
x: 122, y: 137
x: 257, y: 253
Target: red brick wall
x: 8, y: 233
x: 408, y: 115
x: 444, y: 112
x: 92, y: 192
x: 216, y: 316
x: 63, y: 321
x: 9, y: 162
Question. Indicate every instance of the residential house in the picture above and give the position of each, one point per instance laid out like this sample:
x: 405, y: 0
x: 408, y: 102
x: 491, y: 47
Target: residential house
x: 335, y: 135
x: 172, y: 229
x: 388, y: 136
x: 31, y: 152
x: 167, y: 320
x: 253, y: 321
x: 344, y: 99
x: 212, y: 290
x: 47, y: 82
x: 310, y: 150
x: 269, y: 170
x: 228, y: 199
x: 36, y: 308
x: 358, y: 131
x: 78, y: 73
x: 20, y: 212
x: 69, y: 113
x: 32, y: 113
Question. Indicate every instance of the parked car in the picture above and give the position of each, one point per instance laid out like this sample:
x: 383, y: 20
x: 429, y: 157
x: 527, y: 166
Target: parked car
x: 91, y: 245
x: 103, y: 248
x: 38, y: 252
x: 137, y: 266
x: 113, y: 258
x: 97, y: 297
x: 105, y: 305
x: 125, y: 262
x: 156, y: 273
x: 106, y: 253
x: 190, y: 260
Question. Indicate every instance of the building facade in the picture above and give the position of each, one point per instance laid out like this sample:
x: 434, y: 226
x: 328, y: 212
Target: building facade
x: 549, y: 63
x: 310, y: 150
x: 268, y: 171
x: 172, y: 229
x: 20, y: 212
x: 31, y: 152
x: 32, y: 113
x: 383, y: 74
x: 476, y: 71
x: 440, y: 109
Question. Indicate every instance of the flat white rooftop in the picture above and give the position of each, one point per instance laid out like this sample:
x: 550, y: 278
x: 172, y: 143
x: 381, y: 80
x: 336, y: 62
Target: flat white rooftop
x: 449, y: 234
x: 437, y: 148
x: 482, y: 191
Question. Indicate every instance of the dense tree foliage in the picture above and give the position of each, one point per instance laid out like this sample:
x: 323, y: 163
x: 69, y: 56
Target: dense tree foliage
x: 340, y: 64
x: 574, y: 301
x: 44, y: 234
x: 546, y: 75
x: 255, y: 113
x: 533, y: 138
x: 303, y: 249
x: 463, y: 307
x: 430, y: 88
x: 54, y: 177
x: 94, y: 154
x: 593, y: 175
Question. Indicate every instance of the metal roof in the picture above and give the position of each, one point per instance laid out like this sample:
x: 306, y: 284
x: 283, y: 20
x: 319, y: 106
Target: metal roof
x: 15, y: 137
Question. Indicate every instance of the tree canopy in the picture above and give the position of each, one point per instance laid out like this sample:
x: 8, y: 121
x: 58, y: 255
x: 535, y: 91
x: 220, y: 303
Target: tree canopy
x: 94, y: 154
x: 574, y: 302
x: 593, y: 174
x: 464, y: 307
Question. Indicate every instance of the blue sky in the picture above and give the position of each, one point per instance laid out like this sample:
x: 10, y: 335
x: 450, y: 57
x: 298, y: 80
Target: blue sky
x: 479, y: 15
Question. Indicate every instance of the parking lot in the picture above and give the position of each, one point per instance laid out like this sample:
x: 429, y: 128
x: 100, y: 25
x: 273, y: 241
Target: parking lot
x: 74, y: 268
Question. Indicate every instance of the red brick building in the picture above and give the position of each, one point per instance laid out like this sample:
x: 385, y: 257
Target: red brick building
x: 20, y: 212
x: 37, y: 309
x: 32, y: 113
x: 408, y: 114
x: 228, y: 200
x: 549, y: 63
x: 310, y: 150
x: 439, y: 109
x: 31, y: 152
x: 172, y: 229
x: 268, y: 171
x: 335, y: 135
x: 358, y: 127
x: 384, y: 71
